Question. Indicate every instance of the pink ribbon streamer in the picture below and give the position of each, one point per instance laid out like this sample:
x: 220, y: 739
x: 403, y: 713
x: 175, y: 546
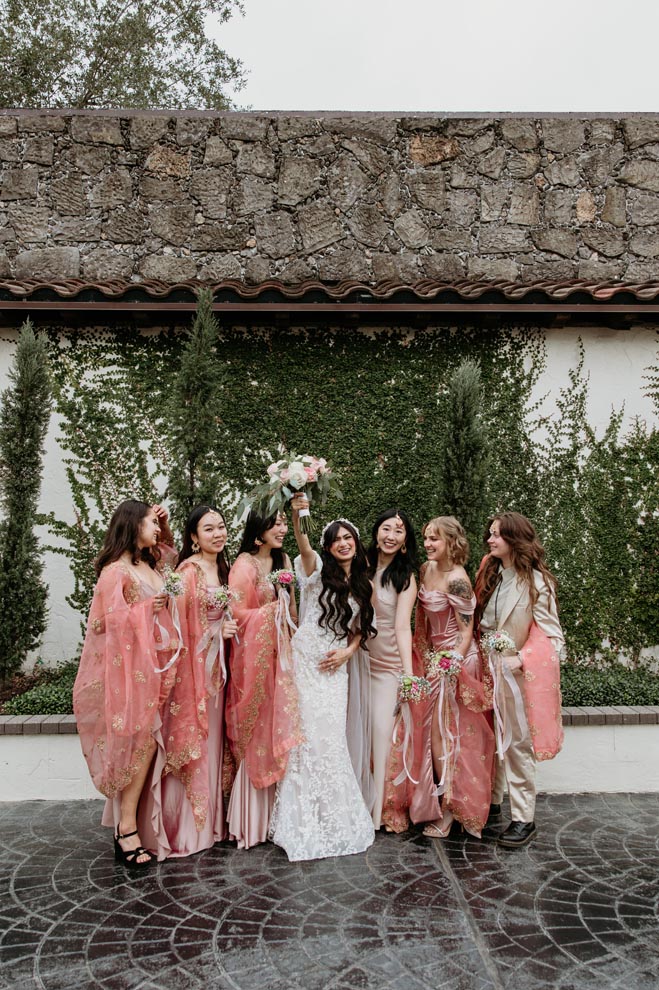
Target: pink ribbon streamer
x: 502, y: 674
x: 407, y: 746
x: 447, y: 704
x: 165, y: 638
x: 283, y: 622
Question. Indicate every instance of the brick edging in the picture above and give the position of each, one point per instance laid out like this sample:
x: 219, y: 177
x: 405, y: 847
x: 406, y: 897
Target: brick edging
x: 52, y: 725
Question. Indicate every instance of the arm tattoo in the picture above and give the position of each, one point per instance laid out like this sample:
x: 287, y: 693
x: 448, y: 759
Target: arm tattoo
x: 460, y: 587
x: 466, y: 619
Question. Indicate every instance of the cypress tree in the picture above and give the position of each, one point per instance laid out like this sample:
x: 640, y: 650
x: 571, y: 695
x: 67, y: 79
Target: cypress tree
x: 24, y: 417
x: 466, y: 455
x: 193, y: 417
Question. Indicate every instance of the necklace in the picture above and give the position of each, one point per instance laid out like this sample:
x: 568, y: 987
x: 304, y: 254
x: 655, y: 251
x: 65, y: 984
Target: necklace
x: 496, y: 601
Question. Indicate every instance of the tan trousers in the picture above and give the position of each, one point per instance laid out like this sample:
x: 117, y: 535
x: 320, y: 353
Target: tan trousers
x: 518, y: 765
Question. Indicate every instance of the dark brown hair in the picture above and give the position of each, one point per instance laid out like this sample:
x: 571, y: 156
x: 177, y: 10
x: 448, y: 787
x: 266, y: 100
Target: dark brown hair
x: 122, y: 535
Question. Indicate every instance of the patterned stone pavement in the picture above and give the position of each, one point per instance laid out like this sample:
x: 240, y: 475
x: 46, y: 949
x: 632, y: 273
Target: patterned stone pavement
x: 575, y: 910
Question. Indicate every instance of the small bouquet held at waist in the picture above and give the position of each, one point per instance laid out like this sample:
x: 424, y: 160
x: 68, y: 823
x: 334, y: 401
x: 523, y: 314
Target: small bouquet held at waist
x: 221, y: 598
x: 443, y: 663
x: 282, y: 578
x: 498, y: 642
x: 412, y: 688
x: 172, y: 583
x: 292, y: 475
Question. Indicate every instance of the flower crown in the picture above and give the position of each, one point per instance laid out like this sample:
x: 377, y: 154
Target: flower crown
x: 339, y: 520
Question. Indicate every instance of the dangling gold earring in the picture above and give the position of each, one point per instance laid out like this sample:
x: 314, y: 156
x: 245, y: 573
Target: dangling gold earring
x: 403, y: 549
x: 258, y: 542
x: 195, y: 547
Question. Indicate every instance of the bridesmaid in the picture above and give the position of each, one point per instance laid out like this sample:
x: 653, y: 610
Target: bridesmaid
x: 186, y: 807
x: 444, y: 621
x: 127, y: 670
x: 517, y: 594
x: 392, y: 557
x: 262, y: 712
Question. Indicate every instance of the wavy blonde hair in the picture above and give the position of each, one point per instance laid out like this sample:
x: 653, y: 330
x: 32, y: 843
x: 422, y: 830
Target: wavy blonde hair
x: 457, y: 545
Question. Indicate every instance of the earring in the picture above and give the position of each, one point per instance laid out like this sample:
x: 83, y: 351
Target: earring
x: 195, y: 546
x: 258, y: 542
x: 403, y: 549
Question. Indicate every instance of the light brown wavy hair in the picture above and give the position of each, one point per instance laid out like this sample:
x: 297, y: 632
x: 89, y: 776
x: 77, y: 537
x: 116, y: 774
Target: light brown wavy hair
x: 457, y: 545
x: 526, y: 554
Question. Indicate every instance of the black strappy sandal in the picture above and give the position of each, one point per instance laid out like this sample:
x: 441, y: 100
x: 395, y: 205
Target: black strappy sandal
x: 130, y: 858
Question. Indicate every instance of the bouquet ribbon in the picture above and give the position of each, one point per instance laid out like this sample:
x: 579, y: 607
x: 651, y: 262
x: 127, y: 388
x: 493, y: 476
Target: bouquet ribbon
x: 447, y: 705
x: 404, y: 715
x: 502, y: 675
x: 284, y: 623
x: 213, y: 642
x: 165, y: 638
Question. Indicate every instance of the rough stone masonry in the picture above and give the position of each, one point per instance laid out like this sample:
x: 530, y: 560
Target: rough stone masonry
x: 372, y: 197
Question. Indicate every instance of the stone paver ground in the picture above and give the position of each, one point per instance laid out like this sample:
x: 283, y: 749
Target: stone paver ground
x: 578, y: 909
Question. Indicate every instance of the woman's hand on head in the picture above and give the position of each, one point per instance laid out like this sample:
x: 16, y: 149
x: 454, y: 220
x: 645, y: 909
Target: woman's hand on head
x: 161, y: 513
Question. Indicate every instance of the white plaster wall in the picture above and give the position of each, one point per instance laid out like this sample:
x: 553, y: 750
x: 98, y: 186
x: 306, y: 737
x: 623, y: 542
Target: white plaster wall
x: 614, y: 759
x: 615, y: 360
x: 611, y: 759
x: 44, y: 767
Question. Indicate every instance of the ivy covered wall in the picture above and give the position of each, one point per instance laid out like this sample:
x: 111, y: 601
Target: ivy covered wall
x: 374, y: 403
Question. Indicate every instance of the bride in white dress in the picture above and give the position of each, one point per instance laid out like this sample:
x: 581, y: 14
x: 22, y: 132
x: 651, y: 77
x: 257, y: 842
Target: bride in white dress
x: 321, y: 808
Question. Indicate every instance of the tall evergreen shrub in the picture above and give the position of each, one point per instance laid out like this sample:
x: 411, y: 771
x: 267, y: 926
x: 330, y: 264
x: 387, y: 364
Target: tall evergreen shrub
x: 466, y: 454
x: 194, y: 417
x: 24, y: 417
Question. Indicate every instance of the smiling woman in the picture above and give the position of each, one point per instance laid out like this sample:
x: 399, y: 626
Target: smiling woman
x: 321, y: 804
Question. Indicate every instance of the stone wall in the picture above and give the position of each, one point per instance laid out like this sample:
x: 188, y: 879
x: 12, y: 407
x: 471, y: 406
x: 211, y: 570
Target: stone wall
x: 371, y: 197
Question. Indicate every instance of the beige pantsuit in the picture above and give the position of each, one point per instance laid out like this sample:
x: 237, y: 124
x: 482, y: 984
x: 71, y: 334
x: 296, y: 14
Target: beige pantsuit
x: 511, y: 612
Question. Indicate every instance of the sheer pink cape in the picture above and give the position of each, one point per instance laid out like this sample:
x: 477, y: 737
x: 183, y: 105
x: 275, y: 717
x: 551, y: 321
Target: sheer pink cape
x: 262, y: 720
x: 541, y: 691
x: 468, y: 783
x: 185, y: 719
x: 118, y: 696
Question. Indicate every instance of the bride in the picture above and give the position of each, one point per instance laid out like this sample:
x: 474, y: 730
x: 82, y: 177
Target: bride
x: 322, y: 805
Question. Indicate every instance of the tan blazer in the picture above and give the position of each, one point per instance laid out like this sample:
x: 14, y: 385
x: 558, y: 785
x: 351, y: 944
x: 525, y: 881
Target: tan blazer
x: 517, y: 615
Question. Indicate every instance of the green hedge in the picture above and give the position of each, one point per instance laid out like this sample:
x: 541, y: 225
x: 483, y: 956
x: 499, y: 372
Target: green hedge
x: 585, y: 684
x: 53, y: 695
x: 582, y: 684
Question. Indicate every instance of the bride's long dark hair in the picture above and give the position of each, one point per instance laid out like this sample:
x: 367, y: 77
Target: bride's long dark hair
x: 335, y: 611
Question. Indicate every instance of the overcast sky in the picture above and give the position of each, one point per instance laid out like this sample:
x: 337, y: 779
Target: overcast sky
x: 434, y: 55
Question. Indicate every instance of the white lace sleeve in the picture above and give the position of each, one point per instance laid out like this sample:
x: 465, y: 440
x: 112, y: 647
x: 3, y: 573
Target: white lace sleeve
x: 308, y: 584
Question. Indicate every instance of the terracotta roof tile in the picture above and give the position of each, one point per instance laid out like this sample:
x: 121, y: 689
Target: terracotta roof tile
x: 427, y: 290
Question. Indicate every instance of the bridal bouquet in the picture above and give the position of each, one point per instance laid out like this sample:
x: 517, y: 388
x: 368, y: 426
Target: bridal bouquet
x: 443, y: 663
x: 291, y: 475
x: 498, y: 642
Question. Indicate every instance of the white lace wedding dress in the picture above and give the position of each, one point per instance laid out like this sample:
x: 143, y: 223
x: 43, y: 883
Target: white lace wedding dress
x: 319, y: 810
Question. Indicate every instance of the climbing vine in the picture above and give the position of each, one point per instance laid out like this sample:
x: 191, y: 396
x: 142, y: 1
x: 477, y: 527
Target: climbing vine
x: 374, y: 403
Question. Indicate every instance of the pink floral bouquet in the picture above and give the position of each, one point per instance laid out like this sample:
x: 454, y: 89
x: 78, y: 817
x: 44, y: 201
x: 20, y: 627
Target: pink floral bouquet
x: 498, y: 642
x: 282, y: 579
x: 290, y: 476
x: 412, y: 688
x: 443, y: 663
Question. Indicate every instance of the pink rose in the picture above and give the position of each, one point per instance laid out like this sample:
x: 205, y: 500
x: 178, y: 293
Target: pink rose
x: 285, y: 475
x: 310, y: 473
x: 285, y: 577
